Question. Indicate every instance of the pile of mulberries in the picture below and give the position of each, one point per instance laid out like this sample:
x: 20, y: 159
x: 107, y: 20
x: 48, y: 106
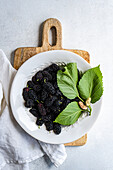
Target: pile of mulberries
x: 44, y: 99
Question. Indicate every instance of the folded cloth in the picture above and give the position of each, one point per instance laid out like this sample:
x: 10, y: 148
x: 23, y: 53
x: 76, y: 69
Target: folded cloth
x: 16, y: 146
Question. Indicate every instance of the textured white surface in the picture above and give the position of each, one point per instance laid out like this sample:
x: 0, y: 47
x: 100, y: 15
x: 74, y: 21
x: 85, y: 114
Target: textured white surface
x: 86, y: 25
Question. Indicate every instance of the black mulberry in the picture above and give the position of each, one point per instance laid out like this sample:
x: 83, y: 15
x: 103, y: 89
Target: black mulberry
x: 65, y: 103
x: 32, y: 95
x: 49, y: 87
x: 57, y: 128
x: 29, y: 103
x: 34, y: 80
x: 30, y: 84
x: 44, y: 80
x: 47, y: 74
x: 38, y: 96
x: 55, y: 85
x: 38, y: 76
x: 50, y: 100
x: 34, y: 112
x: 55, y: 109
x: 55, y: 67
x: 49, y: 125
x: 44, y: 95
x: 48, y: 110
x: 58, y: 93
x: 25, y: 93
x: 39, y: 122
x: 57, y: 103
x: 47, y: 118
x: 41, y: 109
x: 37, y: 87
x: 54, y: 77
x: 77, y: 99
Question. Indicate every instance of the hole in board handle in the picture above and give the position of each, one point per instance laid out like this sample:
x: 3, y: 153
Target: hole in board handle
x: 52, y: 36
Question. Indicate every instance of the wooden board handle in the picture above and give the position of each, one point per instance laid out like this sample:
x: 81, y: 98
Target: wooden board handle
x: 48, y: 24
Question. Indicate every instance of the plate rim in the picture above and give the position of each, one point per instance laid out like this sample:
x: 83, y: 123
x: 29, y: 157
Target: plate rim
x: 11, y: 101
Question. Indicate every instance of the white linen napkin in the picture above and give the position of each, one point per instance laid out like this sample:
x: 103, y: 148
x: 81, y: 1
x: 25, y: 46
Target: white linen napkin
x: 16, y: 146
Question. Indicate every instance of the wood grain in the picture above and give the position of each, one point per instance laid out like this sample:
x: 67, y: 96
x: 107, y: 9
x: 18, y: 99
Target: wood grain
x: 78, y: 142
x: 24, y: 53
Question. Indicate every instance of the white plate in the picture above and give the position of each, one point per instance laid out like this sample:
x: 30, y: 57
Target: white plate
x: 27, y: 120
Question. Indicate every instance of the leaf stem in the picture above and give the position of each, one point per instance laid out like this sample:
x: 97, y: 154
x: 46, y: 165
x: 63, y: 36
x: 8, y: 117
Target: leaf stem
x: 81, y: 99
x: 90, y: 110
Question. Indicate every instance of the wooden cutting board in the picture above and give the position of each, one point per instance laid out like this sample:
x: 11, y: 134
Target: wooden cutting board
x: 24, y: 53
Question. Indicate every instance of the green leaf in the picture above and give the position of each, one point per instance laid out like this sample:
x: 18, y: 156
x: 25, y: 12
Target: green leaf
x: 72, y: 69
x: 99, y: 73
x: 67, y: 81
x: 69, y: 115
x: 91, y: 85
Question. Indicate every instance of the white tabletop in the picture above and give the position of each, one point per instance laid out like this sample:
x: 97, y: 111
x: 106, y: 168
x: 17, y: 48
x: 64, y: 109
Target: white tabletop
x: 87, y: 25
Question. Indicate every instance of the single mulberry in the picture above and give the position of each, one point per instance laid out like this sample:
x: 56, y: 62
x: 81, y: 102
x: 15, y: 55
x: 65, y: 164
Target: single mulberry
x: 44, y: 95
x: 55, y: 109
x: 55, y: 67
x: 65, y: 103
x: 54, y: 77
x: 37, y: 87
x: 34, y: 80
x: 49, y: 101
x: 44, y: 80
x: 77, y: 99
x: 68, y: 101
x: 57, y: 128
x: 49, y: 87
x: 38, y: 97
x: 48, y: 110
x: 47, y: 118
x: 34, y: 112
x: 32, y: 95
x: 29, y: 103
x: 49, y: 125
x: 57, y: 103
x: 58, y: 93
x: 39, y: 122
x: 55, y: 85
x: 39, y: 76
x: 25, y: 93
x: 41, y: 109
x: 30, y: 84
x: 47, y: 74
